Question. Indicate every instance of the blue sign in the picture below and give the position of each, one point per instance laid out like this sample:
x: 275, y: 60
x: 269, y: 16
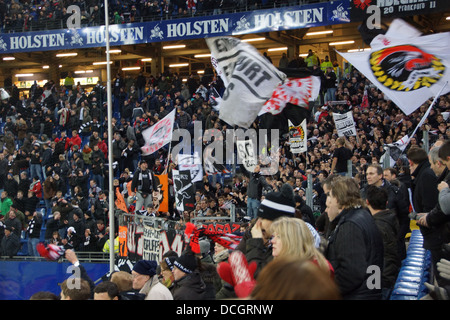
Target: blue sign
x: 277, y: 19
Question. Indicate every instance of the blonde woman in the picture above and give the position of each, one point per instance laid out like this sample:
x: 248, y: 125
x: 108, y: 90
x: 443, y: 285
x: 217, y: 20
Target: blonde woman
x: 292, y: 237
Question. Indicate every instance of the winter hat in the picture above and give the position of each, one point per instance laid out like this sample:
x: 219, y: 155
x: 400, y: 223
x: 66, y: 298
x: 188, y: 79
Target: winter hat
x: 205, y: 246
x: 186, y: 263
x: 170, y: 261
x: 146, y: 267
x: 278, y: 204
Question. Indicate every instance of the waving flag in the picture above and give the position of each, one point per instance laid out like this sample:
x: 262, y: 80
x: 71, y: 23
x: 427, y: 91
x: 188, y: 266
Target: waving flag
x: 159, y: 134
x: 409, y: 68
x: 295, y: 91
x: 249, y: 77
x: 227, y: 240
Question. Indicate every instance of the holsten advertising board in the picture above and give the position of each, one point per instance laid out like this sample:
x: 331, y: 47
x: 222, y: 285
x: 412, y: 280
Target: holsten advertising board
x: 277, y: 19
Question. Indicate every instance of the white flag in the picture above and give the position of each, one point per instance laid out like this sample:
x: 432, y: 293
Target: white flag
x: 345, y: 125
x: 250, y: 79
x: 407, y: 67
x: 158, y: 135
x: 247, y: 154
x: 298, y: 137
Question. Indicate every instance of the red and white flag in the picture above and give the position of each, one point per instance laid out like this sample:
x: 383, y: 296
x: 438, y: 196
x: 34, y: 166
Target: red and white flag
x: 158, y: 135
x: 295, y: 91
x: 409, y: 68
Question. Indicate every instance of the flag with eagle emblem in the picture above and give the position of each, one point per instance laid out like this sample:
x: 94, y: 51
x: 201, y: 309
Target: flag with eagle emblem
x: 408, y: 67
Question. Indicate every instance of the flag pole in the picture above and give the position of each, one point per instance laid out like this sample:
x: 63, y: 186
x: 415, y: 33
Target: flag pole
x: 110, y: 155
x: 426, y: 113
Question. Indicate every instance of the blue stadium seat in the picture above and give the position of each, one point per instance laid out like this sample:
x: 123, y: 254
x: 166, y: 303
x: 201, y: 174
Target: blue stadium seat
x: 414, y: 271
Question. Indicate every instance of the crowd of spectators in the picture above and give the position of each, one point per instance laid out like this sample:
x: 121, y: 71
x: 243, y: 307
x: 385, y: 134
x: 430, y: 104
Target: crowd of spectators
x: 28, y: 15
x: 55, y: 150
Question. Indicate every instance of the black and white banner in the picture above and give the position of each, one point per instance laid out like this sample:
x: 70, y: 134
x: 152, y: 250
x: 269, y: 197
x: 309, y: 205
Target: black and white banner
x: 193, y: 163
x: 250, y: 76
x: 184, y: 190
x: 247, y: 154
x: 345, y: 124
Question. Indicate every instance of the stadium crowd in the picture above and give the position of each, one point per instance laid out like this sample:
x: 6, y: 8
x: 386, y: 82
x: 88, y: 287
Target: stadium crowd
x: 55, y: 156
x: 26, y: 15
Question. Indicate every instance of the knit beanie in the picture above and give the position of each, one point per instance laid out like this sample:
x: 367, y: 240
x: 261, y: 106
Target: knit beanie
x: 145, y: 267
x: 186, y: 263
x: 170, y: 261
x: 278, y: 204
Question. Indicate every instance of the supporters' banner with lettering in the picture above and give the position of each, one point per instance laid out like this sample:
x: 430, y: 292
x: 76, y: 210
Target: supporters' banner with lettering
x: 345, y: 124
x: 152, y: 242
x: 407, y: 67
x: 251, y: 80
x: 396, y: 8
x: 159, y: 134
x: 247, y: 154
x: 198, y: 27
x: 295, y: 91
x: 193, y: 163
x: 184, y: 190
x: 298, y: 137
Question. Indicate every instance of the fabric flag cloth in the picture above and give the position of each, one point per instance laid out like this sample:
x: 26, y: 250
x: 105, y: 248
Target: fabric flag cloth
x: 409, y: 68
x: 298, y: 137
x: 184, y: 190
x: 227, y: 240
x: 298, y: 91
x: 159, y: 134
x: 365, y: 100
x: 161, y: 196
x: 120, y: 201
x: 249, y: 77
x: 395, y: 150
x: 247, y: 154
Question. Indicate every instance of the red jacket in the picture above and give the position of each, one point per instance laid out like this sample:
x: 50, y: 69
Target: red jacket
x: 75, y: 140
x: 37, y: 189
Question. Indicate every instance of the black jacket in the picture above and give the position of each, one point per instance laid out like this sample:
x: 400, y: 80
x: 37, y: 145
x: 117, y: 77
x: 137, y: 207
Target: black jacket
x: 398, y: 201
x: 437, y: 221
x: 190, y: 287
x: 354, y: 246
x: 147, y: 184
x: 387, y: 223
x: 425, y: 198
x: 10, y: 245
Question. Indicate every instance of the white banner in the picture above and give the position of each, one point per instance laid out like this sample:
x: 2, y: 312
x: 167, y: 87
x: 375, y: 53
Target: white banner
x: 247, y: 154
x: 250, y: 76
x: 151, y: 244
x: 407, y: 67
x: 345, y: 124
x: 298, y: 137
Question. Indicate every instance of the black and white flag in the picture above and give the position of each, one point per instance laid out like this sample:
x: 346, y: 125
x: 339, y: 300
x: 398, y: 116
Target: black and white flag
x: 249, y: 77
x: 184, y: 190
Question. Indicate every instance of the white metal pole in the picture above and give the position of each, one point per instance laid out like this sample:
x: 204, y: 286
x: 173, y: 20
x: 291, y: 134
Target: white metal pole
x: 110, y: 134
